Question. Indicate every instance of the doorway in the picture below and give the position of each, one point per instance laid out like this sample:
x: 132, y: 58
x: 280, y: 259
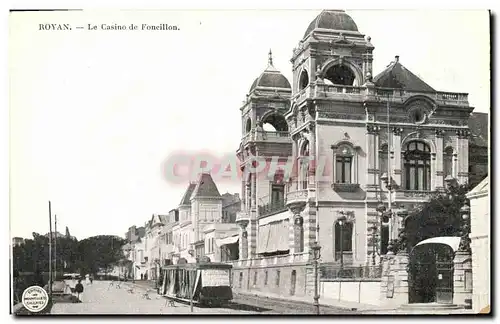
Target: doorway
x: 430, y: 274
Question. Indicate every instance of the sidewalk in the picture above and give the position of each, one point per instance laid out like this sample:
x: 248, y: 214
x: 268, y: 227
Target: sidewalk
x: 324, y: 302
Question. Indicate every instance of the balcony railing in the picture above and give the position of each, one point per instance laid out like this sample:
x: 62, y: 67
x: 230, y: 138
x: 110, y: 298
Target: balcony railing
x: 331, y: 90
x: 299, y: 196
x: 272, y: 208
x: 418, y: 195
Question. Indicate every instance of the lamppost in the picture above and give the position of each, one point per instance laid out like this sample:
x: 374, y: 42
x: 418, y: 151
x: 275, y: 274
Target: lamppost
x: 341, y: 221
x: 465, y: 241
x: 388, y: 214
x: 316, y: 256
x: 374, y: 229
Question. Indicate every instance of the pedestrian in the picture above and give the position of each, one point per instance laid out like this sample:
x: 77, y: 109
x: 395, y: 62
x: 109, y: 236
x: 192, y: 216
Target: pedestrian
x: 91, y: 279
x: 79, y: 290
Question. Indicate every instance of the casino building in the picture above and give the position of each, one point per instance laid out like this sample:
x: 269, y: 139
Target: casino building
x: 373, y: 130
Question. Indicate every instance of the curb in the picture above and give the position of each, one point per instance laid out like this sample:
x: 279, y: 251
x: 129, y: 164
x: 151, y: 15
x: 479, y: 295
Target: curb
x: 301, y: 302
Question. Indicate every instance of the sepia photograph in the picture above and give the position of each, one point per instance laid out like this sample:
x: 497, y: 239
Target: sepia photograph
x: 249, y: 162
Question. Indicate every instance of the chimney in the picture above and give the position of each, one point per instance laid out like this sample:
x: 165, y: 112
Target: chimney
x: 397, y: 58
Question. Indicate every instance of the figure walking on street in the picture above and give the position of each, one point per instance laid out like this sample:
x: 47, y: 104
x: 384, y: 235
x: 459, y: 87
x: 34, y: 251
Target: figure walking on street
x: 79, y: 290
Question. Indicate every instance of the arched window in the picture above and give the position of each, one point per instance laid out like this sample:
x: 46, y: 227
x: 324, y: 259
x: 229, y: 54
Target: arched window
x: 340, y: 74
x: 248, y: 126
x: 343, y: 238
x: 448, y: 162
x: 343, y: 164
x: 274, y: 122
x: 383, y: 158
x: 304, y: 80
x: 417, y: 164
x: 304, y: 165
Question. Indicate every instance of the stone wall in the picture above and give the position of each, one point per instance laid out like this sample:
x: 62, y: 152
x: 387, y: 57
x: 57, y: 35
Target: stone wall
x: 273, y: 275
x: 364, y: 291
x: 462, y: 279
x: 394, y: 283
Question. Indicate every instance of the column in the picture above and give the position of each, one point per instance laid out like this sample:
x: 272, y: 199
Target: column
x: 253, y: 238
x: 296, y: 229
x: 438, y: 173
x: 463, y: 157
x: 243, y: 242
x: 372, y: 154
x: 310, y: 227
x: 312, y: 155
x: 295, y: 170
x: 396, y: 142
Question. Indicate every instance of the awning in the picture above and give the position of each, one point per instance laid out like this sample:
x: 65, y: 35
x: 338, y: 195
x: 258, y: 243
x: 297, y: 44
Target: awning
x: 228, y: 240
x: 451, y: 241
x: 273, y: 237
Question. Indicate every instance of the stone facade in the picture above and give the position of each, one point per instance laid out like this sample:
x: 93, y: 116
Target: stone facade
x: 342, y: 128
x: 480, y: 245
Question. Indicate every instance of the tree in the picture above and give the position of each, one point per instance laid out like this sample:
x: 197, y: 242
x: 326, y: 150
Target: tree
x: 100, y: 252
x: 440, y: 216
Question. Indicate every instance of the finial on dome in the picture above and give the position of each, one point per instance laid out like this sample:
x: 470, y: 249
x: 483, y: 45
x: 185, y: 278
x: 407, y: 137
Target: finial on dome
x: 270, y: 57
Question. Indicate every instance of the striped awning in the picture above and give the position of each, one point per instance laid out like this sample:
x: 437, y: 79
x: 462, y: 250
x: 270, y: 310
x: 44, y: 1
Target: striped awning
x: 273, y: 237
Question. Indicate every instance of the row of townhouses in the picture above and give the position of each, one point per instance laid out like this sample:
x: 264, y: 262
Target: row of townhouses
x: 202, y: 226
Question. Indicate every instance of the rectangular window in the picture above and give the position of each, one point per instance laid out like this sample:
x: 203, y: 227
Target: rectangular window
x: 343, y: 169
x: 277, y: 194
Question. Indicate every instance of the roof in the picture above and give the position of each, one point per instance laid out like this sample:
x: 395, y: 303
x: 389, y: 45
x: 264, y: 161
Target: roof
x: 271, y: 78
x: 205, y: 187
x: 481, y: 188
x: 479, y: 127
x: 186, y: 199
x: 332, y: 19
x: 398, y: 77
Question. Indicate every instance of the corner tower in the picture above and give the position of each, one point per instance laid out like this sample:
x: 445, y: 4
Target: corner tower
x: 265, y: 135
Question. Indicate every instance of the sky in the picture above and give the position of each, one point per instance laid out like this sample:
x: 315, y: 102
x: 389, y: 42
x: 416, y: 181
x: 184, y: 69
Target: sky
x: 94, y: 114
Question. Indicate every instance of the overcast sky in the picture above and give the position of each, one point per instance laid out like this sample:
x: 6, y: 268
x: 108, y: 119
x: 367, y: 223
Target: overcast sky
x: 94, y: 114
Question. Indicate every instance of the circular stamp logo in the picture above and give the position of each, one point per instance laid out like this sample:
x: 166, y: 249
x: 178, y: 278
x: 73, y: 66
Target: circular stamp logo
x: 35, y: 299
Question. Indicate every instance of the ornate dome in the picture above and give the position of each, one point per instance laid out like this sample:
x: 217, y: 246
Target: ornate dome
x: 271, y: 78
x: 332, y: 19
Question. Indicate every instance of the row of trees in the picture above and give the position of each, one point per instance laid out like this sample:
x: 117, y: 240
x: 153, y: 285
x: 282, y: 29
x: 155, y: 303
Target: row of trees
x: 91, y: 255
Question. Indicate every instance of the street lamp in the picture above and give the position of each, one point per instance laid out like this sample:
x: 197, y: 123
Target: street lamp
x: 387, y: 180
x: 341, y: 221
x: 316, y: 256
x: 465, y: 241
x: 374, y: 229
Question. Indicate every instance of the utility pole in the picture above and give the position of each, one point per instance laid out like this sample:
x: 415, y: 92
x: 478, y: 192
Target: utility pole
x: 50, y: 251
x: 55, y: 248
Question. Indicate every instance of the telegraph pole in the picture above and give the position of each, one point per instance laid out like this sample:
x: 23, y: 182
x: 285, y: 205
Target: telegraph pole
x: 55, y: 248
x: 50, y: 252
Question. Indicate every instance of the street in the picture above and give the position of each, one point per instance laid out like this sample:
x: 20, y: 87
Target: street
x: 100, y: 298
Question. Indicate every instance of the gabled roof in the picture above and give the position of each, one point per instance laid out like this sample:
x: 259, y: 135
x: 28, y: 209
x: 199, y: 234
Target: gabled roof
x: 186, y: 199
x: 205, y: 187
x: 481, y: 188
x: 398, y: 77
x: 478, y: 125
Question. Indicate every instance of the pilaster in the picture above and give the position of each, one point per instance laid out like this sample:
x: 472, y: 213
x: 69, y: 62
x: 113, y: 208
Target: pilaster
x: 462, y: 292
x: 438, y: 173
x: 372, y: 155
x: 396, y: 142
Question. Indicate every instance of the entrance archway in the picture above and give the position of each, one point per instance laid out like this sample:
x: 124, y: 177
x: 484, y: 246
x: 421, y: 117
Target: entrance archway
x: 430, y: 271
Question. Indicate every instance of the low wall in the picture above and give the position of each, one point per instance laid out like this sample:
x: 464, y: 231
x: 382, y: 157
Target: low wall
x: 274, y: 275
x: 364, y: 291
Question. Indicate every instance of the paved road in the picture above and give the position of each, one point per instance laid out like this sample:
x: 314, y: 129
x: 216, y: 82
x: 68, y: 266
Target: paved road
x: 100, y: 298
